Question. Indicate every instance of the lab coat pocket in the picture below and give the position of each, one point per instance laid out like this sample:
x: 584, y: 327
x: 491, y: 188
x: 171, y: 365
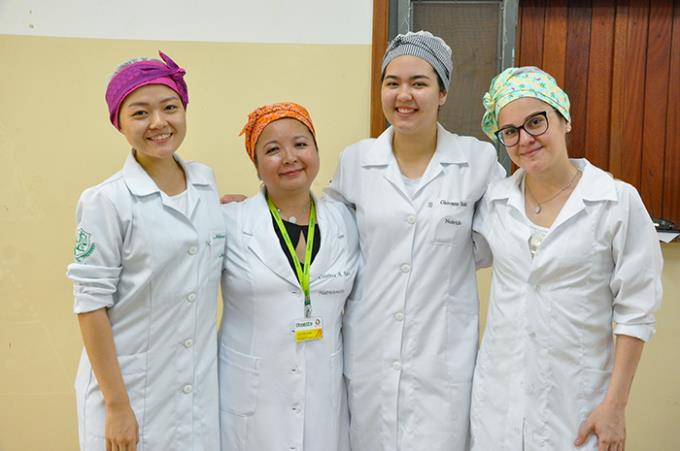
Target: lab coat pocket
x: 239, y: 382
x: 452, y: 225
x: 461, y: 339
x: 133, y: 370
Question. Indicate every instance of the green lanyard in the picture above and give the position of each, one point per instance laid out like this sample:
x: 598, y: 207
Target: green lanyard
x: 302, y: 274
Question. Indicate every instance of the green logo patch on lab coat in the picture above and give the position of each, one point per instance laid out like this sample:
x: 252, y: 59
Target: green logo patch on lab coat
x: 84, y: 246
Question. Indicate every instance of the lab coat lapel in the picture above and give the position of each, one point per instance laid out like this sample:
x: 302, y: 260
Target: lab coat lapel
x: 595, y: 186
x: 140, y: 184
x: 263, y: 242
x: 136, y: 178
x: 571, y: 208
x: 195, y: 182
x: 446, y: 153
x: 433, y: 170
x: 330, y: 239
x: 508, y: 191
x: 393, y: 175
x: 380, y: 155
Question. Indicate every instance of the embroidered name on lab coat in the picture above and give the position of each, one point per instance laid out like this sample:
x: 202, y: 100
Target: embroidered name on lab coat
x: 449, y: 220
x: 451, y: 203
x: 331, y: 292
x: 334, y: 275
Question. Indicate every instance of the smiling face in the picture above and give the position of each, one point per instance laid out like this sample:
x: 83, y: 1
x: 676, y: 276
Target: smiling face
x: 153, y: 120
x: 535, y: 153
x: 286, y: 157
x: 410, y: 95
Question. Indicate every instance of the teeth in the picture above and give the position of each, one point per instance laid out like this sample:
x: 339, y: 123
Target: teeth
x: 405, y: 110
x: 160, y: 137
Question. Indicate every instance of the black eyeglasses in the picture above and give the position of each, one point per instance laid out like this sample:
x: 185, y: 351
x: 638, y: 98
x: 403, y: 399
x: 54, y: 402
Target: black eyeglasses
x: 534, y: 125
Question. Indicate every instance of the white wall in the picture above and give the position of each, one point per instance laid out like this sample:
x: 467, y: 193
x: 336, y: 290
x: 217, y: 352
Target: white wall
x: 245, y: 21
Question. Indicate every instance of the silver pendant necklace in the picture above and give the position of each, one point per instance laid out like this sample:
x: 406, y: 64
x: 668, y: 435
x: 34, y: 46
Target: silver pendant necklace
x: 291, y: 219
x: 539, y: 205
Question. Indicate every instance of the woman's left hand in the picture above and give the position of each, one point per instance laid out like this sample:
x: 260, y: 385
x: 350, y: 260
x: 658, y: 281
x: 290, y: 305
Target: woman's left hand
x: 608, y: 423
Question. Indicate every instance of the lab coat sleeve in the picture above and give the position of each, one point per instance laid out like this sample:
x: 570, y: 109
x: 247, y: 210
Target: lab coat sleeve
x: 339, y: 185
x: 96, y: 268
x: 636, y: 279
x: 482, y: 251
x: 231, y: 228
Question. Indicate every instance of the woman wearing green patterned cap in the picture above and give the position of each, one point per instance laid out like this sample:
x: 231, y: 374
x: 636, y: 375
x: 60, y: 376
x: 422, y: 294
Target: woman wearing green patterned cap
x: 576, y: 261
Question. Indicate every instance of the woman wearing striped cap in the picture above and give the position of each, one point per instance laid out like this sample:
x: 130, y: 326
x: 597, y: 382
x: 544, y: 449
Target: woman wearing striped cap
x: 411, y: 326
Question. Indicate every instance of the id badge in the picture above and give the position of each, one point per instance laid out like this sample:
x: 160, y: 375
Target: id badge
x: 308, y: 329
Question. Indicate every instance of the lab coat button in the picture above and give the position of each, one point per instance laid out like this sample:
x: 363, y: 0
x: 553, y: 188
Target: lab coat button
x: 193, y: 250
x: 396, y: 365
x: 187, y: 389
x: 411, y: 219
x: 399, y: 316
x: 191, y: 297
x: 188, y: 343
x: 405, y: 268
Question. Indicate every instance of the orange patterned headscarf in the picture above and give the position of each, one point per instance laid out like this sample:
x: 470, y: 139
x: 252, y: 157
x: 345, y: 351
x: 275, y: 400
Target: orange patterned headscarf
x: 265, y: 115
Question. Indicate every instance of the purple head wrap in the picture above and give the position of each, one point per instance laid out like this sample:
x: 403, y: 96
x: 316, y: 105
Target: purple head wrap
x: 141, y: 73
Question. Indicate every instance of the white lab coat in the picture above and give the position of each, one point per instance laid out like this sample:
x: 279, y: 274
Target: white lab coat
x: 276, y: 394
x: 157, y: 272
x: 546, y: 357
x: 411, y: 327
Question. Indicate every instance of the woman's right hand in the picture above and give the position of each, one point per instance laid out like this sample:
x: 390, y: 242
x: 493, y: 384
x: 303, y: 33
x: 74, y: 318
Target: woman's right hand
x: 121, y: 430
x: 229, y: 198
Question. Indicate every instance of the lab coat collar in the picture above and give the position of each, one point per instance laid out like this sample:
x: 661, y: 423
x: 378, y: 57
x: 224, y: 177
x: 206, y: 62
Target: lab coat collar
x: 381, y: 154
x: 595, y: 185
x: 265, y: 244
x: 140, y: 183
x: 137, y: 180
x: 508, y: 189
x: 446, y: 152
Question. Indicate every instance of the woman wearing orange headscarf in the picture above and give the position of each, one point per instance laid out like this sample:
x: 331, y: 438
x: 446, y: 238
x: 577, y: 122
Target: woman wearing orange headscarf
x: 290, y: 263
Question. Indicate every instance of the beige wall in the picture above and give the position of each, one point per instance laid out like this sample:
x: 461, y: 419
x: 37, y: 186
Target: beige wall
x: 55, y: 140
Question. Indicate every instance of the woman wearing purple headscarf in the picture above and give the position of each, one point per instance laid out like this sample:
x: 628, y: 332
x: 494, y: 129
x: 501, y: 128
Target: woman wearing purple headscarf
x: 147, y: 259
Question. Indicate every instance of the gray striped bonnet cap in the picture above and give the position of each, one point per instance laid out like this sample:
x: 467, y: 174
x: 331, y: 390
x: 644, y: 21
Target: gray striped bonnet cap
x: 425, y: 46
